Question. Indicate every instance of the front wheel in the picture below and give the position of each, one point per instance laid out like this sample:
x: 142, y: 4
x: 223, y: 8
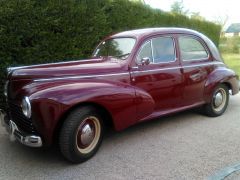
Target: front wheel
x: 219, y: 101
x: 81, y: 134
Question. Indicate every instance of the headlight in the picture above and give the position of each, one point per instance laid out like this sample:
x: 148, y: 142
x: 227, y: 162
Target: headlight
x: 26, y: 107
x: 6, y: 89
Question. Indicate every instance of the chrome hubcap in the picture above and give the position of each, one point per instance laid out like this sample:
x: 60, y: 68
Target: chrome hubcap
x: 88, y: 134
x: 218, y: 99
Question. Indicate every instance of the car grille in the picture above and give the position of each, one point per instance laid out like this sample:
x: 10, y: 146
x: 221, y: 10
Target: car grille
x: 19, y: 118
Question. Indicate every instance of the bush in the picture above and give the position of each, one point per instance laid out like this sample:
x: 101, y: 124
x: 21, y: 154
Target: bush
x: 33, y: 31
x: 229, y: 45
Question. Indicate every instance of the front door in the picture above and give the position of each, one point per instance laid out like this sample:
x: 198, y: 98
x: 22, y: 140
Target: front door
x: 162, y: 77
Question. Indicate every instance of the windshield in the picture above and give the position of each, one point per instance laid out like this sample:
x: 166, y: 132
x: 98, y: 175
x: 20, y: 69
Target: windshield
x: 117, y: 47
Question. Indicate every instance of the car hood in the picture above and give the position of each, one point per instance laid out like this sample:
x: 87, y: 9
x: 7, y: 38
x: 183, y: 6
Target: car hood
x: 65, y: 69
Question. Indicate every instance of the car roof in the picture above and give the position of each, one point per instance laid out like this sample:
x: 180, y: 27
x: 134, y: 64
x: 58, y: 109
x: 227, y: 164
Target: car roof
x: 142, y: 33
x: 138, y: 33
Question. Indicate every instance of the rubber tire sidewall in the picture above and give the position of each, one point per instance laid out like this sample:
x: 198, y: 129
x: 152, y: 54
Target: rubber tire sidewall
x: 209, y: 107
x: 67, y: 137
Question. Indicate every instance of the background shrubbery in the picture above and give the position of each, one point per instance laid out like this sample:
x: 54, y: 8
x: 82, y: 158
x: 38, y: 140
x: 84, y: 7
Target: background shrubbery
x: 33, y: 31
x: 230, y: 44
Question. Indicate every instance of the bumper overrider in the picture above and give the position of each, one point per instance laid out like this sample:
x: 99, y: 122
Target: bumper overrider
x: 16, y: 134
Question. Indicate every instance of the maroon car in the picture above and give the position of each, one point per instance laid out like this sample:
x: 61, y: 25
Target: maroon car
x: 133, y: 76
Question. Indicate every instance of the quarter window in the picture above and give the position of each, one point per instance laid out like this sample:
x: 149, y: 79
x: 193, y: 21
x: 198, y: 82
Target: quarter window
x: 163, y: 49
x: 145, y: 52
x: 191, y: 49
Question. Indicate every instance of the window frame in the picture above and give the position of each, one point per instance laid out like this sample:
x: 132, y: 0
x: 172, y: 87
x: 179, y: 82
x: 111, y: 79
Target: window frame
x: 200, y: 41
x: 151, y: 43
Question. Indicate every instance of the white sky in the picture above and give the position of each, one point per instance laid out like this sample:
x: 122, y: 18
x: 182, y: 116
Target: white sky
x: 210, y: 9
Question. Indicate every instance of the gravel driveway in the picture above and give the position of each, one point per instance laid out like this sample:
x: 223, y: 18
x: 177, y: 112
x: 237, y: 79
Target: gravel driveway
x: 186, y: 145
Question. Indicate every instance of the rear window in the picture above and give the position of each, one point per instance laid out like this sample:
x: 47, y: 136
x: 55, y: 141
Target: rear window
x: 191, y: 49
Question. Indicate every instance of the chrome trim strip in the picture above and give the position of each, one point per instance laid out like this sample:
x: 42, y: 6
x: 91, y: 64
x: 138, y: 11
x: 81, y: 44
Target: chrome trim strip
x: 151, y: 43
x: 177, y: 67
x: 135, y: 67
x: 79, y: 77
x: 153, y: 70
x: 117, y: 74
x: 204, y: 64
x: 56, y: 63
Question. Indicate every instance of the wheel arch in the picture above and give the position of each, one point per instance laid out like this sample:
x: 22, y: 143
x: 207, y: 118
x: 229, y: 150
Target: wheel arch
x: 221, y: 75
x: 210, y: 89
x: 107, y: 117
x: 229, y: 86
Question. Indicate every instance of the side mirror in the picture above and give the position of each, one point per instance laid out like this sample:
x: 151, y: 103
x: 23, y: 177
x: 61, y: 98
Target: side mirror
x: 145, y: 61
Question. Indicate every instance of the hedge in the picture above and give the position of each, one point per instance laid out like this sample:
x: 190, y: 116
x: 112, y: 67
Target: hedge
x: 33, y: 31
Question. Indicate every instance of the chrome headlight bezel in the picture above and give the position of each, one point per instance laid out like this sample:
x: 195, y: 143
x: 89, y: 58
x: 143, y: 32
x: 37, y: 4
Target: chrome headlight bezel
x: 26, y: 107
x: 5, y: 92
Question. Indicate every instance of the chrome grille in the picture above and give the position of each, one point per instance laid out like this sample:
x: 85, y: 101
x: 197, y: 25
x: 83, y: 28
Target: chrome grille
x: 18, y: 117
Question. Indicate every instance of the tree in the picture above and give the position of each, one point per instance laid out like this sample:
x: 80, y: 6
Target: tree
x: 178, y: 8
x: 221, y: 20
x: 142, y: 1
x: 196, y: 15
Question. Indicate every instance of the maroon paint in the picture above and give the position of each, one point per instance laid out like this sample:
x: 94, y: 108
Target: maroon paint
x: 130, y: 95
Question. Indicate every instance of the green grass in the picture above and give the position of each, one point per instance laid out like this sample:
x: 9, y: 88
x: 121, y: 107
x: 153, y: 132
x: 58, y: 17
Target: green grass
x: 233, y: 61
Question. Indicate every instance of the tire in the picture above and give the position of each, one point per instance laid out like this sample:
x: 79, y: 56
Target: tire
x: 219, y: 101
x: 81, y: 134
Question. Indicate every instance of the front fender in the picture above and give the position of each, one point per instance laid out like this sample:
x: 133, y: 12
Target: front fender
x: 218, y: 76
x: 51, y: 101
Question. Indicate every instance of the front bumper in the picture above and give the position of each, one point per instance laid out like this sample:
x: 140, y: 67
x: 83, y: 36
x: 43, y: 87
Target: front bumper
x: 14, y: 132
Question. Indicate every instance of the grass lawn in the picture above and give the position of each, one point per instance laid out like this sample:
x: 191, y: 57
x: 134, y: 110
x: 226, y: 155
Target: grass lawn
x: 233, y: 61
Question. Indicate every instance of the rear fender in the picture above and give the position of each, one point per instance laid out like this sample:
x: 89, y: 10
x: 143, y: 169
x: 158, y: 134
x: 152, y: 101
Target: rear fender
x: 218, y: 76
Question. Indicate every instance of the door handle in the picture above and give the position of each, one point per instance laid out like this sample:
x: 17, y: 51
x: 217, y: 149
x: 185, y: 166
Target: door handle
x: 195, y: 77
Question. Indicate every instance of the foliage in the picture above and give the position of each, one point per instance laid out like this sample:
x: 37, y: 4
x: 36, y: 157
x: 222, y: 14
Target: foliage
x: 33, y: 31
x: 196, y: 15
x: 230, y: 45
x: 178, y: 8
x: 233, y: 61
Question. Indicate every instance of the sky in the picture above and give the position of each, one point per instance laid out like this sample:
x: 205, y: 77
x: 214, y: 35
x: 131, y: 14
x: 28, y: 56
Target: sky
x: 210, y: 9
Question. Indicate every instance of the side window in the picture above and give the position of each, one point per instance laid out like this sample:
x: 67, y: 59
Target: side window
x: 146, y: 51
x: 191, y: 49
x: 163, y: 49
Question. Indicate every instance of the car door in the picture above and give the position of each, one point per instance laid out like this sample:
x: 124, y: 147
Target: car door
x: 161, y: 78
x: 196, y: 65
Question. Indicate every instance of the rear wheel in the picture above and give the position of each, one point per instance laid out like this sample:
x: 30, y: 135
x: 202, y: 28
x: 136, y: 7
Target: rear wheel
x: 81, y: 134
x: 219, y: 101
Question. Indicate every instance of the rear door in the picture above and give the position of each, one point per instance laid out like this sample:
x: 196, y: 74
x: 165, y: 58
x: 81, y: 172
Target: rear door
x: 196, y: 65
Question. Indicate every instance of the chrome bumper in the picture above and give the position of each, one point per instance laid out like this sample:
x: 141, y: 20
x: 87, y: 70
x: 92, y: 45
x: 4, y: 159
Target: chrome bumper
x: 15, y: 133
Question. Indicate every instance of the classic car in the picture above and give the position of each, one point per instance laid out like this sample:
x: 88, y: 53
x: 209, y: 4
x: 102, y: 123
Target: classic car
x: 132, y: 76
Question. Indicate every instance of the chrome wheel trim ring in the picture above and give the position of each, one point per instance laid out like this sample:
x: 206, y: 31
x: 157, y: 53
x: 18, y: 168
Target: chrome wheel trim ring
x: 88, y: 134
